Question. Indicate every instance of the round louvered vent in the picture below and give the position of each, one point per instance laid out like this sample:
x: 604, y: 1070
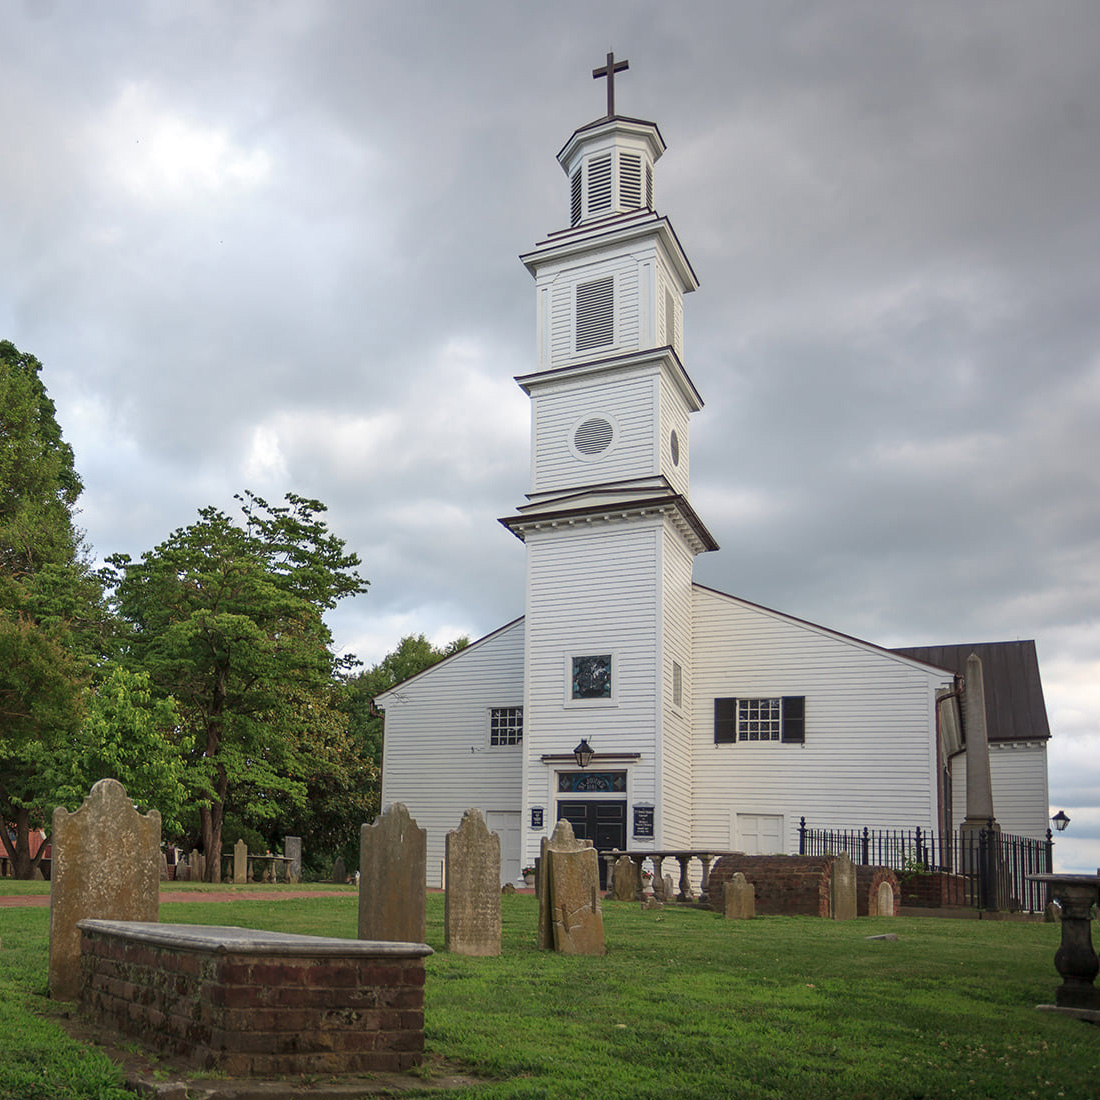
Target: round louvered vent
x: 593, y: 436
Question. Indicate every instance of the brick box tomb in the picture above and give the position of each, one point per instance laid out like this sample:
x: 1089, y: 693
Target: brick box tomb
x: 247, y: 1002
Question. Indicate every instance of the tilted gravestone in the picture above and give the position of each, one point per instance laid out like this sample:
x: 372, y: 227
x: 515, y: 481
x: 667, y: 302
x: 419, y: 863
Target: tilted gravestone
x: 626, y: 885
x: 292, y: 849
x: 471, y: 906
x: 106, y: 866
x: 842, y: 888
x: 393, y: 866
x: 739, y: 898
x: 571, y: 898
x: 240, y: 862
x: 563, y: 840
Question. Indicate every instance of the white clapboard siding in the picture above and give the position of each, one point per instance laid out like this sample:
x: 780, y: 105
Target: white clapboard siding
x: 436, y: 755
x: 869, y: 753
x: 627, y: 336
x: 1018, y: 776
x: 592, y: 590
x: 626, y: 400
x: 674, y: 820
x: 674, y: 416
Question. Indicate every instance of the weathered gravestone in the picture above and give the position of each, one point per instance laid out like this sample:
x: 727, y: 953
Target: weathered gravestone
x: 570, y: 917
x: 106, y: 866
x: 197, y: 863
x: 884, y: 898
x: 393, y: 865
x: 739, y: 898
x: 292, y: 849
x: 339, y: 871
x: 626, y: 884
x: 842, y: 888
x: 471, y: 906
x: 240, y: 862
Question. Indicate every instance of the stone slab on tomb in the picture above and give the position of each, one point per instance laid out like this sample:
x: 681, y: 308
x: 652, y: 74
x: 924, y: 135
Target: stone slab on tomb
x: 247, y: 1002
x: 106, y: 864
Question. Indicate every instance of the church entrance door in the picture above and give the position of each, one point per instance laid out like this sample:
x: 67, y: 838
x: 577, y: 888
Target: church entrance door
x: 602, y: 821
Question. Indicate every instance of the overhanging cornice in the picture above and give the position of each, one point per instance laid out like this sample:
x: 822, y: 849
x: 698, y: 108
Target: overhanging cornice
x: 666, y: 354
x: 672, y: 506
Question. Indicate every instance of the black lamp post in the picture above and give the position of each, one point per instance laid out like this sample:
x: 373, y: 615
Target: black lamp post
x: 583, y: 754
x: 1060, y: 821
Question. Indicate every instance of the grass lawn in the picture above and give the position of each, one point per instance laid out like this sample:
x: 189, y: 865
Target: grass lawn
x: 684, y: 1004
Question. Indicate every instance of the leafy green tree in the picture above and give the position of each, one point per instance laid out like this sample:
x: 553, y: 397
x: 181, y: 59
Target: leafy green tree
x: 131, y: 735
x: 345, y: 789
x: 51, y: 616
x: 228, y: 619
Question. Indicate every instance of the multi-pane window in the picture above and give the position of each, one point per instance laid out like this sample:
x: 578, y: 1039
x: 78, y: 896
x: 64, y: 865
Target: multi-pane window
x: 506, y: 726
x: 677, y: 685
x: 760, y: 719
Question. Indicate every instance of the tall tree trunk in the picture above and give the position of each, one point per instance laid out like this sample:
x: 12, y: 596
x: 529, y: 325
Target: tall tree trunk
x: 22, y: 866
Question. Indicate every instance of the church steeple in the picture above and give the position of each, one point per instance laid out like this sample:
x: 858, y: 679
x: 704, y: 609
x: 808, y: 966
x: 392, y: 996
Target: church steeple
x: 609, y: 530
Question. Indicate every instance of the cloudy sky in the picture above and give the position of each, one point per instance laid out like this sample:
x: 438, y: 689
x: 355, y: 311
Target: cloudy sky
x: 273, y: 245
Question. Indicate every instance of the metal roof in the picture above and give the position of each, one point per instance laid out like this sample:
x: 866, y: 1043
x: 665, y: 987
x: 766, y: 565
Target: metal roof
x: 1014, y: 705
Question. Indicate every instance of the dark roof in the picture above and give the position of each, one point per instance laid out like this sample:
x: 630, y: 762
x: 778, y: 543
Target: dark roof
x: 1014, y: 706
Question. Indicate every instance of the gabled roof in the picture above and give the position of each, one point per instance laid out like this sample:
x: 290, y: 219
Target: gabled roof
x: 818, y: 628
x: 1014, y: 705
x: 459, y: 655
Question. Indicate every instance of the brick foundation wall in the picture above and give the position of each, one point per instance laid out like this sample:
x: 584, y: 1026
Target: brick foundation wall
x: 935, y: 890
x: 257, y: 1003
x: 783, y: 884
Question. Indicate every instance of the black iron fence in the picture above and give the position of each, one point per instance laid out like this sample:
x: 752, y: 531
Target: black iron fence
x: 991, y: 867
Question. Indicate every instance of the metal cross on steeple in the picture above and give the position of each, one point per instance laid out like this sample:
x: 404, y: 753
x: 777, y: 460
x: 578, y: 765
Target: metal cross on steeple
x: 609, y: 70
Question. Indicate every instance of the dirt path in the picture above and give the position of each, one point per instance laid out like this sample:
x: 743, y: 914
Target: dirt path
x: 18, y: 901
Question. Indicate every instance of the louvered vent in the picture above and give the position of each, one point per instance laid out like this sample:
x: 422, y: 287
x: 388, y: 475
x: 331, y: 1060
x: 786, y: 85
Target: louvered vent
x: 649, y: 186
x: 596, y: 313
x: 575, y: 197
x: 599, y: 184
x: 630, y: 180
x: 670, y: 320
x: 593, y: 436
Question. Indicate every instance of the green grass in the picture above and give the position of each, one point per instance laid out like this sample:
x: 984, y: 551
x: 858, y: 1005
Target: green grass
x: 683, y: 1005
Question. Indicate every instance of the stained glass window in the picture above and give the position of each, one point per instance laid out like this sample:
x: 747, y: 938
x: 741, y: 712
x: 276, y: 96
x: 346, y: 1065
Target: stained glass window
x: 592, y: 677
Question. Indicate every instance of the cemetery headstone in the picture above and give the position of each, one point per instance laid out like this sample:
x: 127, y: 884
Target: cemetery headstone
x: 339, y: 871
x: 471, y: 906
x: 571, y: 898
x: 842, y: 888
x: 106, y: 866
x: 739, y: 898
x: 292, y: 849
x: 885, y: 899
x: 163, y: 867
x: 626, y: 884
x: 198, y: 867
x: 393, y: 865
x: 240, y: 862
x: 563, y: 840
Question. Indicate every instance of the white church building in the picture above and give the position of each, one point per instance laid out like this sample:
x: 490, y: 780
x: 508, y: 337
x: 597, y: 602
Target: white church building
x: 703, y: 721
